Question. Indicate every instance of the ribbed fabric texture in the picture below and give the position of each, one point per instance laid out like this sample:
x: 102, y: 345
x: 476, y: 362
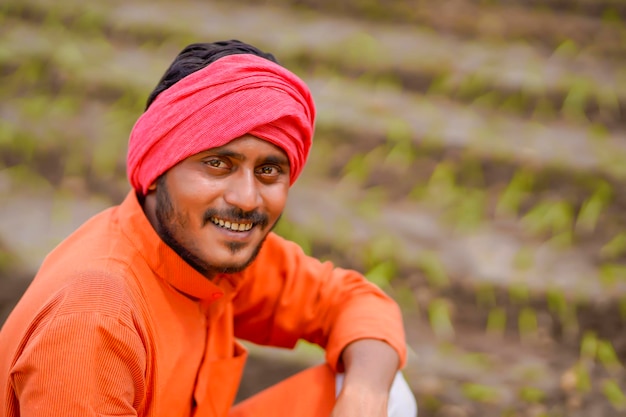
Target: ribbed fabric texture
x: 233, y: 96
x: 116, y: 324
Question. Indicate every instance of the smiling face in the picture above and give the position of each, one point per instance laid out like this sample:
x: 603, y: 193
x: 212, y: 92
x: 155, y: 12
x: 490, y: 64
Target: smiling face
x: 215, y: 208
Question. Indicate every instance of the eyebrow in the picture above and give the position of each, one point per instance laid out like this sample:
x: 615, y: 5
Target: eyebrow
x: 271, y: 159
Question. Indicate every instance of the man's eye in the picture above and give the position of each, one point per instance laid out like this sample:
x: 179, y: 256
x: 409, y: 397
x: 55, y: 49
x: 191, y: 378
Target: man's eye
x: 215, y: 163
x: 269, y: 170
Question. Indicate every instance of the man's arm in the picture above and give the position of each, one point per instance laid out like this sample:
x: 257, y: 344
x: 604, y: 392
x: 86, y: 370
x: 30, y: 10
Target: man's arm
x: 370, y: 367
x: 287, y: 296
x: 80, y: 364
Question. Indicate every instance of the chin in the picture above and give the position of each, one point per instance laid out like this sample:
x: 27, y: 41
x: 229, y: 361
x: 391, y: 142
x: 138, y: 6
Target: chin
x: 228, y: 268
x: 233, y: 263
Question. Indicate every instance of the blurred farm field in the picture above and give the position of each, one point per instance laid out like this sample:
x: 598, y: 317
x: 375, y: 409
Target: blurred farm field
x: 469, y: 158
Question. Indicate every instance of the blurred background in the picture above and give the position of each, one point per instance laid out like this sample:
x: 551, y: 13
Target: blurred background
x: 469, y: 158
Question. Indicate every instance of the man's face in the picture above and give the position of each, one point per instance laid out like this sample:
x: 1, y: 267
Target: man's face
x: 215, y: 208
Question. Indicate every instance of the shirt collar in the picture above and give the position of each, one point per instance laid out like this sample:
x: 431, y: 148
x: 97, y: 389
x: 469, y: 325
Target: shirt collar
x: 162, y: 259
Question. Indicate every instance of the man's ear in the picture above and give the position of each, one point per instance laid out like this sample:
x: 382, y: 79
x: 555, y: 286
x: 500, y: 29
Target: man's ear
x: 152, y: 186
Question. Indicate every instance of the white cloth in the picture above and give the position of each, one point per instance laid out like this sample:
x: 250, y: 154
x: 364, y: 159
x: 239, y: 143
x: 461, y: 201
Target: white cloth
x: 401, y: 400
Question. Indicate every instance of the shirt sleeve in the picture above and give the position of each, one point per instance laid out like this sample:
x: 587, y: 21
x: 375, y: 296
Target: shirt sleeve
x: 286, y: 295
x: 80, y: 364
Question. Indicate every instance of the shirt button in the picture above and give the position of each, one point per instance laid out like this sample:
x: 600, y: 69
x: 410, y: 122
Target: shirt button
x: 216, y: 295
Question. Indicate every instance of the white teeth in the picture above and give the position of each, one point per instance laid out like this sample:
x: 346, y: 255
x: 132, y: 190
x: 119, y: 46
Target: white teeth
x: 238, y: 227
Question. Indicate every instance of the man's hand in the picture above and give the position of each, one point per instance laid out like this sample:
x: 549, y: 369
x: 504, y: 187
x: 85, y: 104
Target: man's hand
x: 370, y: 367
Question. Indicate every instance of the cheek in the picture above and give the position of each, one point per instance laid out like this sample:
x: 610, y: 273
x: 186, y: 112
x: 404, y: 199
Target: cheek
x: 276, y: 199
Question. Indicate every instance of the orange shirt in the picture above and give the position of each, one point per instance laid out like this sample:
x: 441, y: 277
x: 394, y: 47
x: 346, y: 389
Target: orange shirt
x: 116, y: 323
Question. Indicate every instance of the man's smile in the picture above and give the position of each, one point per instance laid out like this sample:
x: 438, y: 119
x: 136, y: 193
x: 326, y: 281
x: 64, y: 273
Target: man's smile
x: 233, y: 226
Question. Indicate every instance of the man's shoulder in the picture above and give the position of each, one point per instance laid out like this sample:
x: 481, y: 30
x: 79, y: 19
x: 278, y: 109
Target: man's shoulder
x: 103, y: 287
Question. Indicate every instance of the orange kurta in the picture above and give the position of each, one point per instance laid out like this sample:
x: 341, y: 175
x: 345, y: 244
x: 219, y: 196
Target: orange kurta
x: 117, y: 324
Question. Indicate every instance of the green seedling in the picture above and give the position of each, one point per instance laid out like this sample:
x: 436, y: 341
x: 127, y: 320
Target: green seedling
x: 405, y: 297
x: 516, y: 103
x: 442, y: 189
x: 399, y: 138
x: 527, y: 323
x: 583, y: 379
x: 382, y: 273
x: 481, y: 393
x: 615, y: 394
x: 519, y: 293
x: 34, y: 107
x: 383, y: 247
x: 363, y: 47
x: 7, y: 260
x: 555, y: 217
x: 567, y: 49
x: 398, y: 131
x: 592, y: 208
x: 608, y: 101
x: 75, y: 164
x: 514, y: 195
x: 23, y: 175
x: 489, y: 99
x: 469, y: 213
x: 309, y: 349
x: 401, y: 156
x: 477, y: 360
x: 430, y: 402
x: 9, y: 134
x: 105, y: 159
x: 575, y: 102
x: 30, y: 73
x: 343, y: 232
x: 615, y: 248
x: 53, y: 21
x: 357, y: 168
x: 524, y: 259
x: 612, y: 16
x: 293, y: 232
x: 65, y: 106
x: 388, y: 82
x: 608, y: 358
x: 472, y: 171
x: 544, y: 109
x: 90, y: 23
x: 432, y: 267
x: 531, y: 395
x: 611, y: 274
x: 599, y: 133
x: 440, y: 318
x: 496, y: 321
x: 557, y: 303
x: 440, y: 85
x: 60, y: 211
x: 588, y: 346
x: 485, y: 295
x: 562, y: 240
x: 471, y: 86
x: 370, y: 206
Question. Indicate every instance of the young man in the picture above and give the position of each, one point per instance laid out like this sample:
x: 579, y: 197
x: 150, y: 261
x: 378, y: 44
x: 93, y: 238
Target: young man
x: 137, y: 312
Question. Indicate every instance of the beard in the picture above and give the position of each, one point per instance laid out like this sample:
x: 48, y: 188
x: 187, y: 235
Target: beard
x: 168, y: 222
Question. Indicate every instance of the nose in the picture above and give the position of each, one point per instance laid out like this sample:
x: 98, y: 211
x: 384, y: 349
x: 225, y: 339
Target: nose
x: 243, y: 191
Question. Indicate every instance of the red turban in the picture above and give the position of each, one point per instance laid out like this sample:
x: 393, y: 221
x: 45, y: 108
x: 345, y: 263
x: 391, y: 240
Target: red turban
x: 233, y: 96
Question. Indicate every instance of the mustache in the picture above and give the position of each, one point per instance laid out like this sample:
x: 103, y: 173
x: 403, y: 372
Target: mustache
x: 236, y: 215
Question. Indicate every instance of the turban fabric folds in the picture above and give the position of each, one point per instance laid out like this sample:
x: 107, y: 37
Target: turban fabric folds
x: 233, y: 96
